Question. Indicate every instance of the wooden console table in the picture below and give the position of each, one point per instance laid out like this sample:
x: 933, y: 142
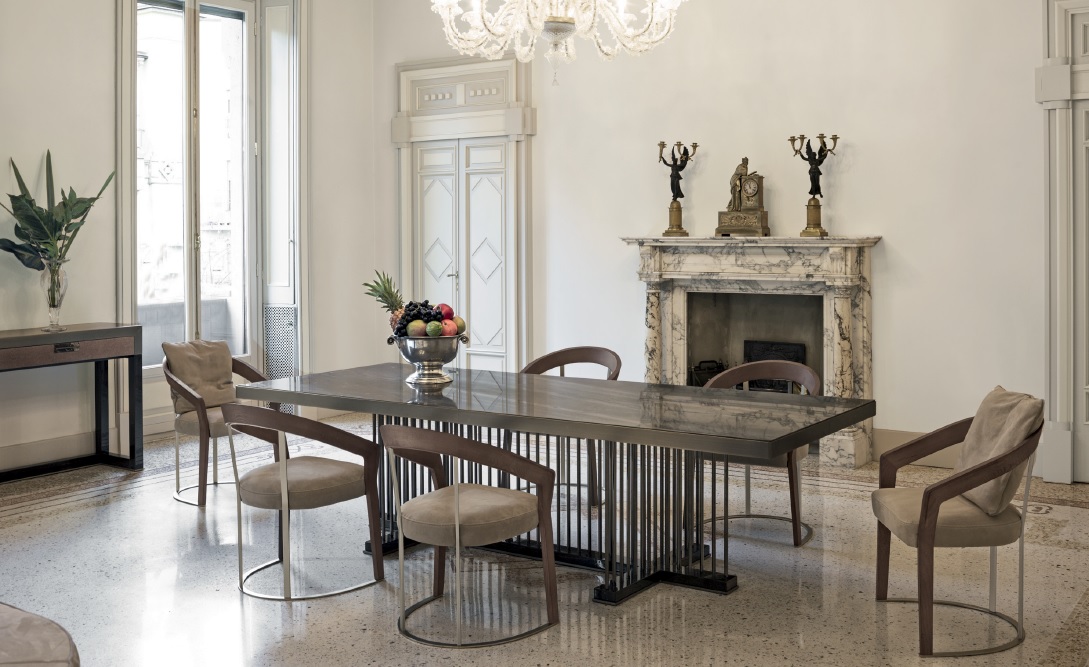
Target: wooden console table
x: 84, y: 343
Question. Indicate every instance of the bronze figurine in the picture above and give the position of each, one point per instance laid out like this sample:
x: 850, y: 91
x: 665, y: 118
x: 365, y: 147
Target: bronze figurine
x: 677, y: 165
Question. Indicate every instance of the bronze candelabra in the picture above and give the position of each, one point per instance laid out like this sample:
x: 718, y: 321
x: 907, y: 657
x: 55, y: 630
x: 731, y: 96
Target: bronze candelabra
x: 680, y: 156
x: 804, y: 148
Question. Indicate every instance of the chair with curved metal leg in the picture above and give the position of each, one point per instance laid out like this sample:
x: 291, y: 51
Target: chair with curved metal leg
x: 807, y: 379
x: 970, y: 508
x: 304, y: 482
x: 561, y: 359
x: 459, y: 515
x: 200, y: 375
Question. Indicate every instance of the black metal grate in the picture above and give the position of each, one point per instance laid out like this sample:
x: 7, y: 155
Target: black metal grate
x: 281, y: 357
x: 763, y: 350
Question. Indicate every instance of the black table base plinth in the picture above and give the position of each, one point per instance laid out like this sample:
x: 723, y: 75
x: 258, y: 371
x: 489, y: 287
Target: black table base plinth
x: 723, y: 584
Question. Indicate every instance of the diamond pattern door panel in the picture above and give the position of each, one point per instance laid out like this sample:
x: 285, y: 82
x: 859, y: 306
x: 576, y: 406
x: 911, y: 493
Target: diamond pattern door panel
x: 437, y: 216
x: 485, y: 295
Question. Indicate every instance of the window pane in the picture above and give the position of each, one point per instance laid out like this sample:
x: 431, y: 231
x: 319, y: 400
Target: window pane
x: 223, y: 172
x: 160, y: 149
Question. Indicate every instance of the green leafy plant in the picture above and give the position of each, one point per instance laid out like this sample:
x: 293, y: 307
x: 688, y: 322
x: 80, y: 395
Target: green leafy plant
x: 46, y: 233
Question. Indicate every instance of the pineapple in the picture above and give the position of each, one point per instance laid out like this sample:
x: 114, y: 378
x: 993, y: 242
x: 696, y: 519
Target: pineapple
x: 385, y: 291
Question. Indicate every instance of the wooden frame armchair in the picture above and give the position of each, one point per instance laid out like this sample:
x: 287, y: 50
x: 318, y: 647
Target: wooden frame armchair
x: 560, y: 359
x: 205, y: 423
x: 456, y: 514
x: 806, y: 378
x: 304, y: 482
x: 1005, y: 528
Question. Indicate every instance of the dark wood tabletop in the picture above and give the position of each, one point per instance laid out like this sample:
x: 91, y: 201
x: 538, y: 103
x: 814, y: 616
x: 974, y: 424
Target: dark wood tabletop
x: 716, y: 421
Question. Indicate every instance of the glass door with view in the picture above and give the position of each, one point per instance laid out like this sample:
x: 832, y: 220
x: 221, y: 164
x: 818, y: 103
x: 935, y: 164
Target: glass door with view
x: 194, y: 262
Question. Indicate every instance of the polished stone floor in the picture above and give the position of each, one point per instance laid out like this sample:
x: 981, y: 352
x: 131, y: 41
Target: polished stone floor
x: 139, y: 579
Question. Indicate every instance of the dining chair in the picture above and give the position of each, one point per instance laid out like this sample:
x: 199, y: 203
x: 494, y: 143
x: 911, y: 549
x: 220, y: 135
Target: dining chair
x: 301, y: 483
x: 560, y: 359
x: 809, y: 382
x: 970, y: 508
x: 200, y: 375
x: 456, y: 514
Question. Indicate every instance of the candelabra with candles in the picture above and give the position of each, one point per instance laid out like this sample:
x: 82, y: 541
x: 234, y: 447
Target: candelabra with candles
x: 803, y: 147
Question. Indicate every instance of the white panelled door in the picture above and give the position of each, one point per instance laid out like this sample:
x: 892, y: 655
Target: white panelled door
x: 463, y: 216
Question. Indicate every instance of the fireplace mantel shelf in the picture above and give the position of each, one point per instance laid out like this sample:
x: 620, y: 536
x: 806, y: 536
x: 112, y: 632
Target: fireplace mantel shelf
x: 769, y: 241
x: 836, y: 268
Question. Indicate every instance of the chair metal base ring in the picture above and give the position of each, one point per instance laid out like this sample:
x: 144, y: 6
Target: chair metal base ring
x: 178, y: 496
x: 807, y: 530
x: 432, y: 642
x: 280, y: 598
x: 980, y: 651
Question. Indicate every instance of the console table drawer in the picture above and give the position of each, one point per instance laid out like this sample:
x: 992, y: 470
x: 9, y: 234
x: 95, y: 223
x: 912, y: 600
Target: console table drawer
x: 64, y: 353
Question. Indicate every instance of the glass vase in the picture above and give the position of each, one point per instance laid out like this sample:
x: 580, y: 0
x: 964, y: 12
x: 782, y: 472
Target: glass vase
x: 54, y: 282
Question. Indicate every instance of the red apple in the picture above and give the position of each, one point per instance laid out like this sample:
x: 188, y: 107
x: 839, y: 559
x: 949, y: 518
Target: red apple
x: 447, y: 311
x: 449, y: 328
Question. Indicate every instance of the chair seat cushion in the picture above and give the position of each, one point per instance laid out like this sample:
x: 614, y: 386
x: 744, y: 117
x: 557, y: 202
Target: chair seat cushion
x: 312, y: 481
x: 187, y: 423
x: 29, y: 639
x: 488, y: 514
x: 961, y: 523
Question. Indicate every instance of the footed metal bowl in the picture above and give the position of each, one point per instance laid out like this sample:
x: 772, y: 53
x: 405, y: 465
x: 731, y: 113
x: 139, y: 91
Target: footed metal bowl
x: 428, y: 354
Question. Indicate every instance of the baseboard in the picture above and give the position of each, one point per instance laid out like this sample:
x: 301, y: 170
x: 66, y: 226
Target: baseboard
x: 158, y: 421
x: 1055, y: 455
x: 53, y: 449
x: 886, y: 439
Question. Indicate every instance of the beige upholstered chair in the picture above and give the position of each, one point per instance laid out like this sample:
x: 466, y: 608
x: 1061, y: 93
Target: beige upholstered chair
x: 970, y: 508
x: 806, y: 378
x: 305, y: 482
x: 29, y: 640
x: 560, y: 360
x: 201, y: 378
x: 460, y: 515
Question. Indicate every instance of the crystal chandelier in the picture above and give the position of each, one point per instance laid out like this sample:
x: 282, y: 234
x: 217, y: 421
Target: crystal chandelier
x: 488, y: 28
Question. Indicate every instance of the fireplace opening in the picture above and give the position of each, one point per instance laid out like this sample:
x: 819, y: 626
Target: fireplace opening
x: 731, y: 329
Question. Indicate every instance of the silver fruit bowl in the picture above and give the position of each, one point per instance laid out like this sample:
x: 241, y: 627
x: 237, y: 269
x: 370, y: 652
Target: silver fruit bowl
x: 428, y: 354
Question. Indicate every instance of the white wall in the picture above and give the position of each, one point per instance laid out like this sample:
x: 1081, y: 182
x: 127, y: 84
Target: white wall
x: 941, y: 155
x: 342, y: 251
x: 57, y: 83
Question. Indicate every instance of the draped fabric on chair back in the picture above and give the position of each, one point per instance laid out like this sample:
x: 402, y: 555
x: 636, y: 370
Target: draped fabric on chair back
x: 576, y: 355
x: 1003, y: 421
x: 772, y: 369
x: 204, y: 365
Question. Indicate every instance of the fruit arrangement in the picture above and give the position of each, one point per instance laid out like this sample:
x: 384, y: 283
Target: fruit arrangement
x: 413, y: 319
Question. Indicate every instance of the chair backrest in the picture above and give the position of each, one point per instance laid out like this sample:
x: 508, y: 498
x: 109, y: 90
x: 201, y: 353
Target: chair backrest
x: 771, y: 369
x: 576, y: 355
x: 205, y: 366
x: 426, y: 448
x: 267, y: 424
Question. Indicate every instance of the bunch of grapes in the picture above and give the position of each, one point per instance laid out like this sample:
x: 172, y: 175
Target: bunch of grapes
x: 416, y: 311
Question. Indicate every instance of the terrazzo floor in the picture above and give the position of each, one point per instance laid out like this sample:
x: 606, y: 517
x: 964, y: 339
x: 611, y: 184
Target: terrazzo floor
x: 139, y: 579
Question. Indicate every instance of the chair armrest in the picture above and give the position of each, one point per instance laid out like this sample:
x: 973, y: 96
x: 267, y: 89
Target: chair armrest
x: 965, y: 480
x: 183, y: 390
x: 924, y: 445
x: 429, y: 460
x: 248, y: 372
x: 242, y: 369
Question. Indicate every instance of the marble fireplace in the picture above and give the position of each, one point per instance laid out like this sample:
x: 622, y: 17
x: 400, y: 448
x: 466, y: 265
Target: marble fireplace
x: 683, y: 272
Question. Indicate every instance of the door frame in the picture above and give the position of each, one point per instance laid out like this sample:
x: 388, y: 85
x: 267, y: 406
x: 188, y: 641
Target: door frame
x: 467, y: 98
x: 1061, y: 81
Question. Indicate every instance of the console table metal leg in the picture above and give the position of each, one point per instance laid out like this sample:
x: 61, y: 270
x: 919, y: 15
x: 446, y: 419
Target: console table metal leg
x: 136, y: 411
x: 102, y: 405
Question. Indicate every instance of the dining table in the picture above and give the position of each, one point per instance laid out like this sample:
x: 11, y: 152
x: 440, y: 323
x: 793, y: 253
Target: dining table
x: 642, y: 469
